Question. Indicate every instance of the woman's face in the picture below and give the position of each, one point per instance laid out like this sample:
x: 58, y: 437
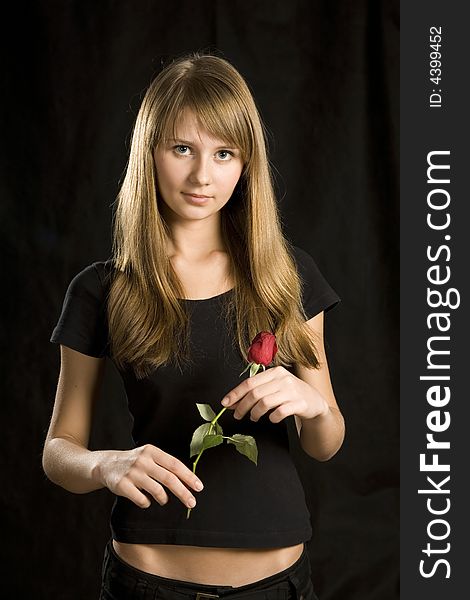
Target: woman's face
x: 196, y: 173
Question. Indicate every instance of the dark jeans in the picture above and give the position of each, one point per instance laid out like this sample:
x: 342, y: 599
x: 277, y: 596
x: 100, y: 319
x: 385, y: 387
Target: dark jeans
x: 121, y: 581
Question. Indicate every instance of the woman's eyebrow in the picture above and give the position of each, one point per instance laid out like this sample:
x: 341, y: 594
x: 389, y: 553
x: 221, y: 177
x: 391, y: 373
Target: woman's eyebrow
x: 191, y: 143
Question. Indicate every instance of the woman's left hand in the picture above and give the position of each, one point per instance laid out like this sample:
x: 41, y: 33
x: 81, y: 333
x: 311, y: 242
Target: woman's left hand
x: 278, y: 389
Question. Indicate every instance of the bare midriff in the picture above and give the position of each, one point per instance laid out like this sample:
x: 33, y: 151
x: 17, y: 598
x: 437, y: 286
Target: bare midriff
x: 209, y: 566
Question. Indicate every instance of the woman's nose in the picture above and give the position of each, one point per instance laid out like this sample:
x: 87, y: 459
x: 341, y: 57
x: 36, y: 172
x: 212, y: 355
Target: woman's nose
x: 201, y: 171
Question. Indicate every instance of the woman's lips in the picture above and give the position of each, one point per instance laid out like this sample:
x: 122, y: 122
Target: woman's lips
x: 196, y: 198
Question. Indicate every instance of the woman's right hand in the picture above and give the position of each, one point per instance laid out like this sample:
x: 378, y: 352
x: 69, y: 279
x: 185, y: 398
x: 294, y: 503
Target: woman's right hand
x: 129, y: 473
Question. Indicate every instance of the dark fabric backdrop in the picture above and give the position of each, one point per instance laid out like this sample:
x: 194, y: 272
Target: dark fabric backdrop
x: 325, y: 77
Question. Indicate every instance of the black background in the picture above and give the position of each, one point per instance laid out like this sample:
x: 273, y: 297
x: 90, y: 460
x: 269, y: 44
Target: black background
x: 325, y: 77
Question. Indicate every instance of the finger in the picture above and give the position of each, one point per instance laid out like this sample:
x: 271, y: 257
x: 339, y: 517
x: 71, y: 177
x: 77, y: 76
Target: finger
x: 267, y: 405
x: 129, y: 490
x: 284, y: 410
x: 255, y: 399
x: 174, y: 465
x: 155, y: 489
x: 171, y: 481
x: 250, y: 383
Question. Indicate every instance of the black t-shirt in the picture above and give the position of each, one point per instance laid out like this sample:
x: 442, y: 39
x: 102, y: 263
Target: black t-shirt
x: 242, y: 505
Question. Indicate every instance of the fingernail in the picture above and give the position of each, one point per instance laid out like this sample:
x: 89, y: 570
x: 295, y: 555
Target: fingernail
x: 191, y: 502
x: 198, y: 485
x: 225, y: 401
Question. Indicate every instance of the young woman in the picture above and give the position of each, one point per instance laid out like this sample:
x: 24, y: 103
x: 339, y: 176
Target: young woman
x: 200, y: 266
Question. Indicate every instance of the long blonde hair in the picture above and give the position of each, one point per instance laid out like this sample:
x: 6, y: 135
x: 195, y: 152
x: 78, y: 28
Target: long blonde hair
x: 148, y: 324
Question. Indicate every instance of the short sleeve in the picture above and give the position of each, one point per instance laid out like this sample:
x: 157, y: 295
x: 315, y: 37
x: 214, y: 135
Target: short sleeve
x: 82, y: 323
x: 317, y: 294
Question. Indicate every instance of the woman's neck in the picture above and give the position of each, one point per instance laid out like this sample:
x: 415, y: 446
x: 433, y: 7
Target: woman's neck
x: 194, y: 241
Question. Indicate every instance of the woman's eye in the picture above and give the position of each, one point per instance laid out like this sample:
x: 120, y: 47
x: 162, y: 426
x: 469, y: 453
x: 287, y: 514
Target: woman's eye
x: 224, y: 154
x: 180, y: 149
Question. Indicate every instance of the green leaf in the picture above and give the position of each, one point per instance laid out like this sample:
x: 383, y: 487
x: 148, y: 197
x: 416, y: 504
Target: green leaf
x: 206, y: 412
x: 217, y: 429
x: 210, y: 441
x: 198, y: 438
x: 204, y: 430
x: 246, y: 445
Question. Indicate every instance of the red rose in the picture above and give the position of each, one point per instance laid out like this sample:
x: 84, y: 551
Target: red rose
x: 263, y: 348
